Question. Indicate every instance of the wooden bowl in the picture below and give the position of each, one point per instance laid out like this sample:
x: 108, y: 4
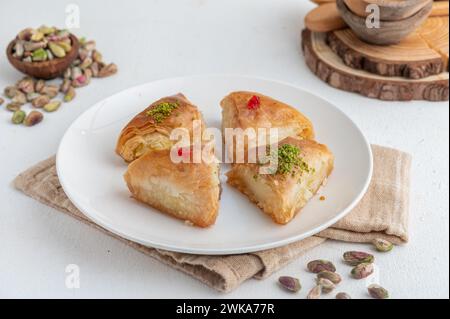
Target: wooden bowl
x: 389, y: 32
x: 390, y: 10
x: 46, y: 69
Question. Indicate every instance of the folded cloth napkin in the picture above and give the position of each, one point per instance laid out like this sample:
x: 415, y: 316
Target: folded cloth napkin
x: 382, y: 213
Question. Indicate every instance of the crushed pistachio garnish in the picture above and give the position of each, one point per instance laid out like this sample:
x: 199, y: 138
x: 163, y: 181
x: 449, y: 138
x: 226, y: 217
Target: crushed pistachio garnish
x: 162, y: 111
x: 288, y: 158
x: 290, y: 161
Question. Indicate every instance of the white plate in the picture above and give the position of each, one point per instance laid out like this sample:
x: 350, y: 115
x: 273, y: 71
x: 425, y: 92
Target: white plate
x: 91, y: 173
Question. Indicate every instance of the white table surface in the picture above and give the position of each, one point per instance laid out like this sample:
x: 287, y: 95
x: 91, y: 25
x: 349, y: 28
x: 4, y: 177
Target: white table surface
x: 158, y: 39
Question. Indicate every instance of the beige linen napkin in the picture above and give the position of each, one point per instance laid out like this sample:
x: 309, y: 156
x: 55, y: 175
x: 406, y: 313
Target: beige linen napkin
x: 383, y: 212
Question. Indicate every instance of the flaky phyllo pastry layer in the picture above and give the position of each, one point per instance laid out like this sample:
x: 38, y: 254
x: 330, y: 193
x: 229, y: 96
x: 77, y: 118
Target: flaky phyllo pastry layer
x: 303, y: 166
x: 189, y: 191
x: 267, y: 114
x: 150, y: 129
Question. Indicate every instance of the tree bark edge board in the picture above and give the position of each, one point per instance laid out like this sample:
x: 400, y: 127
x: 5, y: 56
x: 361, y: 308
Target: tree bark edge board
x: 329, y: 67
x: 390, y: 64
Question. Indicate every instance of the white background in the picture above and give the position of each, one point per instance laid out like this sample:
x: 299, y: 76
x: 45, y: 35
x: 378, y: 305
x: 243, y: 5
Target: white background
x: 158, y: 39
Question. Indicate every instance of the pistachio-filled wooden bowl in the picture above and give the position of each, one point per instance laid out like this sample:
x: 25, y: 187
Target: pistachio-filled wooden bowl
x: 389, y: 32
x: 44, y: 69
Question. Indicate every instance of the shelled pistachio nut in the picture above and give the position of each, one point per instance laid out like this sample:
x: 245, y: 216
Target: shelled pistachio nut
x: 97, y: 56
x: 107, y: 70
x: 89, y: 45
x: 37, y: 36
x: 75, y: 72
x: 70, y: 94
x: 32, y: 96
x: 86, y: 63
x: 26, y: 85
x: 57, y: 50
x: 13, y: 106
x: 326, y: 285
x: 94, y: 69
x: 331, y: 276
x: 67, y: 73
x: 50, y: 90
x: 382, y: 245
x: 343, y: 295
x: 290, y: 283
x: 362, y: 270
x: 354, y: 258
x: 19, y: 98
x: 315, y: 293
x: 25, y: 34
x: 377, y: 292
x: 67, y: 47
x: 65, y: 85
x: 52, y: 106
x: 319, y: 265
x: 46, y: 30
x: 19, y: 49
x: 49, y: 55
x: 39, y: 55
x: 11, y: 91
x: 39, y: 85
x: 18, y: 117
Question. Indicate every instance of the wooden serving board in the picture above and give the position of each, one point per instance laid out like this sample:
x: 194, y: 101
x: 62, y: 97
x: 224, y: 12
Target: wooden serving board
x: 422, y: 54
x: 329, y: 67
